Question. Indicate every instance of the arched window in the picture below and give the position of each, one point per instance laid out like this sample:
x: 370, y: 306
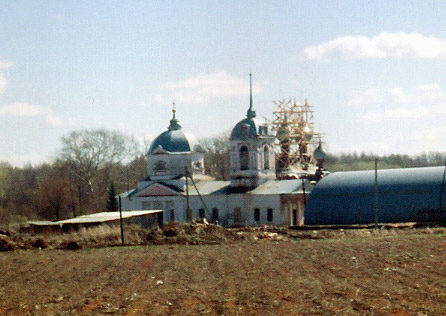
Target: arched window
x: 266, y: 158
x: 160, y: 167
x: 244, y: 158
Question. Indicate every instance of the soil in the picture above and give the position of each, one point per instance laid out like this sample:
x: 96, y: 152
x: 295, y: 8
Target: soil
x: 310, y: 273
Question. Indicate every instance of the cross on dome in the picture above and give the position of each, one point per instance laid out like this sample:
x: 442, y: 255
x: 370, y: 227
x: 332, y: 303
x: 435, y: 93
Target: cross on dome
x: 174, y: 123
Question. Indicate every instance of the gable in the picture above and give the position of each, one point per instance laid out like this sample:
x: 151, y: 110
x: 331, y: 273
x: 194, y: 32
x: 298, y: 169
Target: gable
x: 157, y: 189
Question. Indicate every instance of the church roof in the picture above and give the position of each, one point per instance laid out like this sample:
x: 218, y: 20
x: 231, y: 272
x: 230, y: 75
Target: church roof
x: 250, y: 124
x: 173, y: 140
x: 282, y: 187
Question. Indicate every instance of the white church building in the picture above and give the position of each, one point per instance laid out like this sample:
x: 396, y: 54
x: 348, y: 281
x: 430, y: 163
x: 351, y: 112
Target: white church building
x: 253, y: 196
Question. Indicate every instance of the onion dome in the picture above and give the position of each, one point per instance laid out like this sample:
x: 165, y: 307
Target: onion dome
x: 173, y: 140
x: 319, y: 152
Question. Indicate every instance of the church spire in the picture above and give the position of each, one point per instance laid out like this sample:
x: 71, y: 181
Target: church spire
x: 174, y: 123
x: 250, y: 114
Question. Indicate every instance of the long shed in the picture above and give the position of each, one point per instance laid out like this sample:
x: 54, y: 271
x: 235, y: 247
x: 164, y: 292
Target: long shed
x: 143, y: 218
x: 404, y: 195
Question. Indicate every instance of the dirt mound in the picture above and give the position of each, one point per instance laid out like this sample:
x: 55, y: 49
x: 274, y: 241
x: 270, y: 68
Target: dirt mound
x: 72, y: 245
x: 195, y: 233
x: 6, y: 243
x: 39, y: 243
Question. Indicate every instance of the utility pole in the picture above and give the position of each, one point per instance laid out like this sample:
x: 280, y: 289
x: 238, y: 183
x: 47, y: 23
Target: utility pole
x: 376, y: 193
x: 187, y: 194
x: 442, y: 186
x: 120, y: 221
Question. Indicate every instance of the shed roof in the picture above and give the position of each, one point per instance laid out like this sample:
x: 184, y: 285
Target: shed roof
x: 41, y: 223
x: 105, y: 217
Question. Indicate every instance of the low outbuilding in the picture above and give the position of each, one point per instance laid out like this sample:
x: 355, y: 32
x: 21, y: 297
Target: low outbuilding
x: 403, y: 195
x: 144, y: 218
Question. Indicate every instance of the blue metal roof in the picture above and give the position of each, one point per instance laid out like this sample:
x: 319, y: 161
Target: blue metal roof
x: 255, y: 128
x: 410, y: 194
x: 171, y: 141
x: 250, y: 124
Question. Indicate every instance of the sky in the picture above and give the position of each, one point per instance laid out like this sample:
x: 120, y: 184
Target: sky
x: 375, y: 71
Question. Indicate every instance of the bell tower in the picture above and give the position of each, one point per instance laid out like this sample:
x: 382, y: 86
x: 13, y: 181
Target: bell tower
x: 252, y: 160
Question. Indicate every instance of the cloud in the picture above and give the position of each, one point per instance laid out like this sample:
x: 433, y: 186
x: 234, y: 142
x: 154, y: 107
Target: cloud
x: 367, y: 97
x: 24, y: 109
x: 3, y: 83
x: 426, y: 101
x: 5, y: 64
x: 384, y: 45
x: 418, y: 112
x: 433, y: 135
x: 22, y: 160
x: 203, y: 87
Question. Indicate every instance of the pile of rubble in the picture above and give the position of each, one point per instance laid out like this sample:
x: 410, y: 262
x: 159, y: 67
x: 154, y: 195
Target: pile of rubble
x: 194, y: 233
x: 189, y: 233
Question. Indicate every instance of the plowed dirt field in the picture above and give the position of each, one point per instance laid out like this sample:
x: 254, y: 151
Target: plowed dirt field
x: 400, y: 274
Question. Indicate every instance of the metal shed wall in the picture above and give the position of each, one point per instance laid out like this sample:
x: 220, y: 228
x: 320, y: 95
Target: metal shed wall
x: 404, y: 195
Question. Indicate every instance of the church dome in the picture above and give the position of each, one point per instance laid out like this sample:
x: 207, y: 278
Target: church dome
x: 247, y: 128
x: 173, y: 140
x: 319, y: 152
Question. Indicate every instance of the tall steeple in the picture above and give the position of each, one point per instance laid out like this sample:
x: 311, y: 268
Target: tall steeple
x: 250, y: 114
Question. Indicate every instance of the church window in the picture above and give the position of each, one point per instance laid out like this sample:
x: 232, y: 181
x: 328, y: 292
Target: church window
x: 188, y: 214
x: 266, y: 158
x: 215, y: 214
x: 169, y: 205
x: 158, y: 205
x: 160, y: 166
x: 146, y: 205
x: 201, y: 211
x: 257, y: 215
x: 244, y: 158
x: 197, y: 165
x: 269, y: 215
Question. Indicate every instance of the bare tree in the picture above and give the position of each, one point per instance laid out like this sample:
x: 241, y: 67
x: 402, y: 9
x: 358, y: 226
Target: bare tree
x: 53, y: 193
x: 4, y: 174
x: 216, y: 157
x: 91, y: 156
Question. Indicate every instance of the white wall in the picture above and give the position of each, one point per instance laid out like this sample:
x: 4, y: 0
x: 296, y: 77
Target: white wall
x: 225, y: 203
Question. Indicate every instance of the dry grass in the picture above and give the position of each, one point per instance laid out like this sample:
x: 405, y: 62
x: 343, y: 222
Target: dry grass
x: 362, y: 272
x: 92, y: 237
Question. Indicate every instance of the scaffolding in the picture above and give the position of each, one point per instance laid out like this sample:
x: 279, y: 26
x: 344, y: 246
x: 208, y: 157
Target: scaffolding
x: 296, y: 139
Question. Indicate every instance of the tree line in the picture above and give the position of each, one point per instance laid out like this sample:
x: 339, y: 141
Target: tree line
x: 91, y: 164
x: 363, y: 161
x: 76, y: 182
